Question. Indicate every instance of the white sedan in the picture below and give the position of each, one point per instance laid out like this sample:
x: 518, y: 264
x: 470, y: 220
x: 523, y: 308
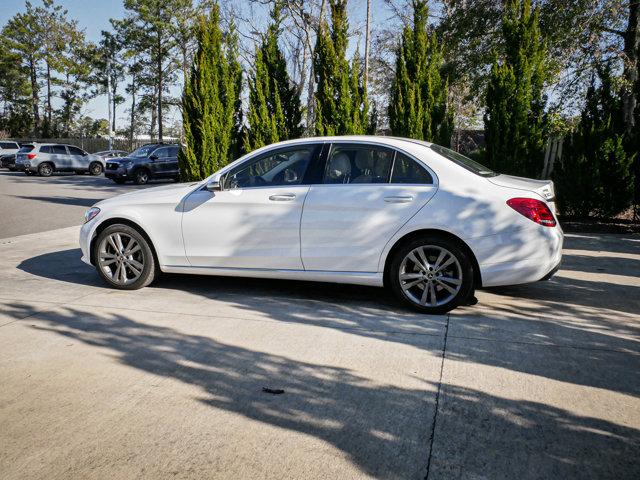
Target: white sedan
x: 422, y: 220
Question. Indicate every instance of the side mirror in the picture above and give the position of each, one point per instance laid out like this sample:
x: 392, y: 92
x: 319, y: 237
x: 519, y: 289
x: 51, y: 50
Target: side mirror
x: 214, y: 184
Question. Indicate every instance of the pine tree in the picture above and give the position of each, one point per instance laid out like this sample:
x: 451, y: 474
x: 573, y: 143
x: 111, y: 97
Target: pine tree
x: 274, y: 103
x: 418, y: 107
x: 341, y: 106
x: 595, y: 176
x: 515, y: 123
x: 209, y: 102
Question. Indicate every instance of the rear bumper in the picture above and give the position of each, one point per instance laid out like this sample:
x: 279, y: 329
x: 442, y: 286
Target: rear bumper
x: 528, y: 256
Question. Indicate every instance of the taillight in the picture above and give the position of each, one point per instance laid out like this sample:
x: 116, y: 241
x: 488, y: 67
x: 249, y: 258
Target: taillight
x: 31, y: 156
x: 533, y: 209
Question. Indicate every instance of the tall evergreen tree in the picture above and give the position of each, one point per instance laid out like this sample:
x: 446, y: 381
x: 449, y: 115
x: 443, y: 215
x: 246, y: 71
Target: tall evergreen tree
x: 418, y: 105
x: 515, y: 123
x: 341, y: 107
x: 595, y: 176
x: 209, y: 102
x: 274, y: 102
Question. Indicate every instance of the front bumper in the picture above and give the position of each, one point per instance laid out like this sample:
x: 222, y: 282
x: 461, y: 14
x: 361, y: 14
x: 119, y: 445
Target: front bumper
x: 86, y: 235
x: 121, y: 173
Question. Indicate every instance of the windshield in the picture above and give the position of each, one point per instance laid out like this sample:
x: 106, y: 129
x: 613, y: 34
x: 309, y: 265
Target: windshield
x: 464, y: 162
x: 142, y: 151
x: 25, y: 149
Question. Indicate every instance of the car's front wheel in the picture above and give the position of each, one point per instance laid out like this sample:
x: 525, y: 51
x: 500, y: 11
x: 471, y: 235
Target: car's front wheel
x: 431, y: 274
x: 123, y: 258
x: 95, y: 169
x: 141, y: 177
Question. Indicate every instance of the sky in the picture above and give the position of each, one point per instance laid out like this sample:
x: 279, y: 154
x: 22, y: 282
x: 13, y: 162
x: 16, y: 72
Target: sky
x: 93, y: 17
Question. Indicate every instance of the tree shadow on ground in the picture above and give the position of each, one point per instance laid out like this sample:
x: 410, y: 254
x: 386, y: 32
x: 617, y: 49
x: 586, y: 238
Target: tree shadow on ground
x: 383, y: 429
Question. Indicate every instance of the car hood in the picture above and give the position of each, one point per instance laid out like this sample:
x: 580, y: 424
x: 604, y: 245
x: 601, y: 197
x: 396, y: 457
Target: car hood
x: 162, y: 194
x: 119, y: 159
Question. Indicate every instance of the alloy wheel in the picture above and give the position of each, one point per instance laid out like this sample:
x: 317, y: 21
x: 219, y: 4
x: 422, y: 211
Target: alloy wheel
x: 96, y: 169
x: 430, y: 276
x: 121, y: 259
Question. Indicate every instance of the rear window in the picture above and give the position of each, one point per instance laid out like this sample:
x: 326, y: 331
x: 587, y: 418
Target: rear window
x: 26, y: 149
x: 464, y: 162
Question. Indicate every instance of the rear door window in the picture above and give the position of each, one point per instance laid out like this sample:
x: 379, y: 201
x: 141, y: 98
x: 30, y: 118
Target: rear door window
x: 59, y: 149
x: 46, y: 149
x: 26, y: 148
x: 358, y: 164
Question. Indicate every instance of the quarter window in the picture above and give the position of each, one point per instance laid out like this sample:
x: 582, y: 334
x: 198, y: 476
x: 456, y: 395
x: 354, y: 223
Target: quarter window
x: 358, y: 164
x: 406, y: 170
x: 286, y: 167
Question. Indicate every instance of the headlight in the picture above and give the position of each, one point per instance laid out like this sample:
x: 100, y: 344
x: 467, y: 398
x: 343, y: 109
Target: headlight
x: 91, y: 214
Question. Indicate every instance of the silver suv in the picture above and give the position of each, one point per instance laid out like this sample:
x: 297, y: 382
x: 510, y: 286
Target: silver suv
x: 46, y: 158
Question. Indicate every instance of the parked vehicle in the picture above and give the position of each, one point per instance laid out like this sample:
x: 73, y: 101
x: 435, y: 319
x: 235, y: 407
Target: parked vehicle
x: 8, y: 150
x: 420, y: 219
x: 46, y: 158
x: 155, y: 160
x: 109, y: 154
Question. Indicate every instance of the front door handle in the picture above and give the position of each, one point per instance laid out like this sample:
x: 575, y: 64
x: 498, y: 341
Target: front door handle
x: 285, y: 197
x: 399, y: 199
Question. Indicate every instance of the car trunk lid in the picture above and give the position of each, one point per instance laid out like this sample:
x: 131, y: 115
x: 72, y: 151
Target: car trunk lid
x: 544, y: 188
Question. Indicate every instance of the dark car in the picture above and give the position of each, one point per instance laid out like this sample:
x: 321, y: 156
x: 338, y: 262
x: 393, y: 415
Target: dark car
x: 155, y: 160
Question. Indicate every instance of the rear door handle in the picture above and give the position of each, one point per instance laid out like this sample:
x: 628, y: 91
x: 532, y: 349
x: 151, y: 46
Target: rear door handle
x: 285, y: 197
x: 400, y: 199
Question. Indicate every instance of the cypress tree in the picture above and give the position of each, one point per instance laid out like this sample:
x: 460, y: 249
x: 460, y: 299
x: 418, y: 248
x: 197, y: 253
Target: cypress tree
x: 418, y: 107
x: 210, y: 102
x: 515, y: 123
x: 341, y: 104
x: 274, y: 103
x: 595, y: 176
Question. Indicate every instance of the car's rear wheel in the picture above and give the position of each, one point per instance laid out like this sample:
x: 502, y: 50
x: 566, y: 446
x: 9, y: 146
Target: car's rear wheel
x: 45, y: 169
x: 431, y: 274
x: 95, y: 169
x: 141, y: 177
x: 123, y: 258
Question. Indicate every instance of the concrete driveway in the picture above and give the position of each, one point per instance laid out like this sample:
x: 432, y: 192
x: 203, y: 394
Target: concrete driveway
x: 537, y: 381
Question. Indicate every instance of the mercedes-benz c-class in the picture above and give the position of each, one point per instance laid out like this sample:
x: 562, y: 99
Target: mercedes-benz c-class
x: 422, y: 220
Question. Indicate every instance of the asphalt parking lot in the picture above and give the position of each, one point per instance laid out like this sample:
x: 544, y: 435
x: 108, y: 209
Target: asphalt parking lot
x: 536, y: 381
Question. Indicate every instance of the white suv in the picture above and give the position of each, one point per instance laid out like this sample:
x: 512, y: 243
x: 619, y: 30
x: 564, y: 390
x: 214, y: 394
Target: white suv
x: 46, y: 158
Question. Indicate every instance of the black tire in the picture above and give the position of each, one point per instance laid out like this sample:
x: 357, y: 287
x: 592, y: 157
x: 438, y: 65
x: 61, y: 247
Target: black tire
x: 144, y: 255
x: 461, y: 269
x: 45, y: 169
x: 141, y: 177
x: 119, y: 181
x: 96, y: 168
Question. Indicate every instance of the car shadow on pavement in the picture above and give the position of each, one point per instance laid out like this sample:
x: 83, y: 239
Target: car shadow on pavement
x: 79, y: 201
x: 383, y: 429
